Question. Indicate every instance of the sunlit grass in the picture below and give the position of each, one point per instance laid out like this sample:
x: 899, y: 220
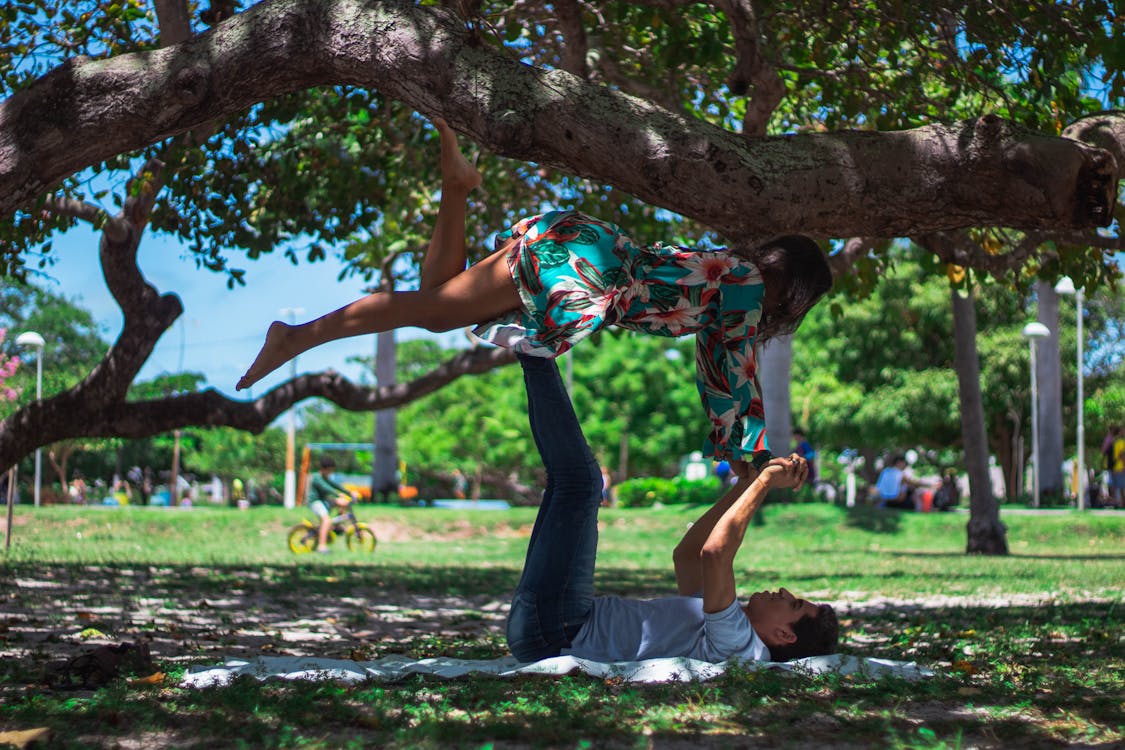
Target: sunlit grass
x: 1027, y: 648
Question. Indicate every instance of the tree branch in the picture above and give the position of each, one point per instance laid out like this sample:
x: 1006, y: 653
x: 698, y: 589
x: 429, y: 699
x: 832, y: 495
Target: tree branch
x: 574, y: 45
x: 1105, y: 130
x: 80, y: 413
x: 174, y: 21
x: 751, y: 69
x: 854, y: 248
x: 841, y: 184
x: 88, y: 212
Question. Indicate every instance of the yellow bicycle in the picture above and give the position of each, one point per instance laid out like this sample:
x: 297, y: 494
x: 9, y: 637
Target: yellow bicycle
x: 359, y: 536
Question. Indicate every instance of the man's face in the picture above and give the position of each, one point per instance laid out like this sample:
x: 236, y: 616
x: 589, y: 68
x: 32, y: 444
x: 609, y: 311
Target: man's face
x: 772, y: 614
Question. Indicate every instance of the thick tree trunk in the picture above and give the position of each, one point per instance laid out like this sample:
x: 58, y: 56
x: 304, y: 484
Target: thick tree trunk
x: 385, y: 467
x: 1049, y: 371
x: 986, y: 535
x: 775, y: 361
x: 1002, y: 444
x: 841, y: 184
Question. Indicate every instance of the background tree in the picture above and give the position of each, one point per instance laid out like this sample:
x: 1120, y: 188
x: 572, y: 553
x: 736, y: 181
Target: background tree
x: 876, y: 373
x: 656, y: 88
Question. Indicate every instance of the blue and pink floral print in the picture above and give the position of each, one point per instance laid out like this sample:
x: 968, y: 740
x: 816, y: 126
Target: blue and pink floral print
x: 577, y: 274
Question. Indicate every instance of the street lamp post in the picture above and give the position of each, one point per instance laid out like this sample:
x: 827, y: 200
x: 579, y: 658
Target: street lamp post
x: 33, y: 339
x: 290, y: 497
x: 1033, y: 332
x: 1066, y: 286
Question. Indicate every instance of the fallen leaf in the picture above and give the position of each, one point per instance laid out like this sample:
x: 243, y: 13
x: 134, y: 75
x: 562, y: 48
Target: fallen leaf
x: 968, y: 691
x: 24, y: 737
x: 153, y: 679
x: 964, y: 667
x: 86, y: 616
x: 92, y: 633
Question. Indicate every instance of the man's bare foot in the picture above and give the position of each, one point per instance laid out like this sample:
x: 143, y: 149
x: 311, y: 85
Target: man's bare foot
x: 456, y: 170
x: 277, y: 350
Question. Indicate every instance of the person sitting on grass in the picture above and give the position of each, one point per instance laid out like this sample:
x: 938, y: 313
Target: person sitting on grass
x: 324, y: 494
x: 554, y: 611
x: 896, y: 486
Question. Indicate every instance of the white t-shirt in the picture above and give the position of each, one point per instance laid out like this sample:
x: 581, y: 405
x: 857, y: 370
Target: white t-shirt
x: 634, y: 629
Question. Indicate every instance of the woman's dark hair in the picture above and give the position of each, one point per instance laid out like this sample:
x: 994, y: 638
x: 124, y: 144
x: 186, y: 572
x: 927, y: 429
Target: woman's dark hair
x: 327, y: 462
x: 800, y: 267
x: 816, y: 636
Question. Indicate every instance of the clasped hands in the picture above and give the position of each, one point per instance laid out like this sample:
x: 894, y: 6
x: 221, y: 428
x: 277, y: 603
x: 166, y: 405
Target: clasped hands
x: 783, y: 472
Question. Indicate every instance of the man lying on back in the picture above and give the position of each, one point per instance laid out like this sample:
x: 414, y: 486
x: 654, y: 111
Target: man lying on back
x: 554, y: 610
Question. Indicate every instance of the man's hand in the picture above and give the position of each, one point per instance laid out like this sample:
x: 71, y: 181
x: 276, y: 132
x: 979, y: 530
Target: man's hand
x: 781, y: 473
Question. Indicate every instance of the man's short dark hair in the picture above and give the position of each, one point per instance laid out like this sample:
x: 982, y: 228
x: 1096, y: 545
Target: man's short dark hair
x: 817, y: 635
x: 327, y: 462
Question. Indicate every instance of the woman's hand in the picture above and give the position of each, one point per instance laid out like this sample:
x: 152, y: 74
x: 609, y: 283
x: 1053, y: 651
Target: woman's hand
x: 790, y: 472
x: 740, y: 468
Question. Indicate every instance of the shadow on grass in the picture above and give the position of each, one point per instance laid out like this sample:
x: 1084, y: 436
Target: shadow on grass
x: 874, y: 520
x: 1011, y: 676
x: 1028, y: 677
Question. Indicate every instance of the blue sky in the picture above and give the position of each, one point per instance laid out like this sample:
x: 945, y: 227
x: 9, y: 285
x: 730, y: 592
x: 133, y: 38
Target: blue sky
x: 221, y: 329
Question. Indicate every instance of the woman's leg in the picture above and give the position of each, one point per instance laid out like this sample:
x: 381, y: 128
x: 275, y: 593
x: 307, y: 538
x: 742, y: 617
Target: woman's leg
x: 450, y: 295
x: 556, y: 591
x: 446, y: 254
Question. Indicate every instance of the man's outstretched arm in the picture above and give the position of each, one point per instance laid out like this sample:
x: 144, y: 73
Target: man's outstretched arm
x: 685, y: 557
x: 719, y: 550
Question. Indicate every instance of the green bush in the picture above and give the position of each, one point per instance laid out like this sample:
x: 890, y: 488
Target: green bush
x: 643, y: 492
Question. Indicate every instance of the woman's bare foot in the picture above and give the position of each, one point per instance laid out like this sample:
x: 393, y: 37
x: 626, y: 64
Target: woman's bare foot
x: 456, y: 170
x: 278, y: 349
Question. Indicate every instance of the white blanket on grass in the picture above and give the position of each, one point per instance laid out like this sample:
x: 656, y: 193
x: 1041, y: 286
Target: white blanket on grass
x: 390, y: 668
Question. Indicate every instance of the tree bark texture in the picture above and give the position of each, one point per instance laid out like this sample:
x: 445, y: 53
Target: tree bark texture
x: 841, y: 184
x: 986, y: 534
x: 1048, y: 367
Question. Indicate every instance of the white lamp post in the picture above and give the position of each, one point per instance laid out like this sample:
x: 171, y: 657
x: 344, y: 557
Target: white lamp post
x: 1066, y: 286
x: 33, y: 339
x: 290, y: 497
x: 1033, y: 332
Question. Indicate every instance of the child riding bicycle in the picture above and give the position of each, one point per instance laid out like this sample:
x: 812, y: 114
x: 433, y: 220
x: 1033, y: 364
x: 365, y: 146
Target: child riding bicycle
x: 323, y: 494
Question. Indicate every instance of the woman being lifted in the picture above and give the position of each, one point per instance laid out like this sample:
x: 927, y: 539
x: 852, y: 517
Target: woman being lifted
x: 557, y: 277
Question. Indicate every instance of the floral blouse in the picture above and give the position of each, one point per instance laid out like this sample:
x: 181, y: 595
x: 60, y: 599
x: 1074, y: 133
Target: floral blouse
x: 577, y: 274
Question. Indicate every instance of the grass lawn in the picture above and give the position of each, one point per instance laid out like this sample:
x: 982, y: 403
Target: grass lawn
x: 1029, y: 648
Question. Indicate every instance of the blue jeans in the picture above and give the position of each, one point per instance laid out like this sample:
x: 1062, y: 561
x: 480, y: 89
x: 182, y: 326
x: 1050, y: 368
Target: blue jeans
x: 556, y: 591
